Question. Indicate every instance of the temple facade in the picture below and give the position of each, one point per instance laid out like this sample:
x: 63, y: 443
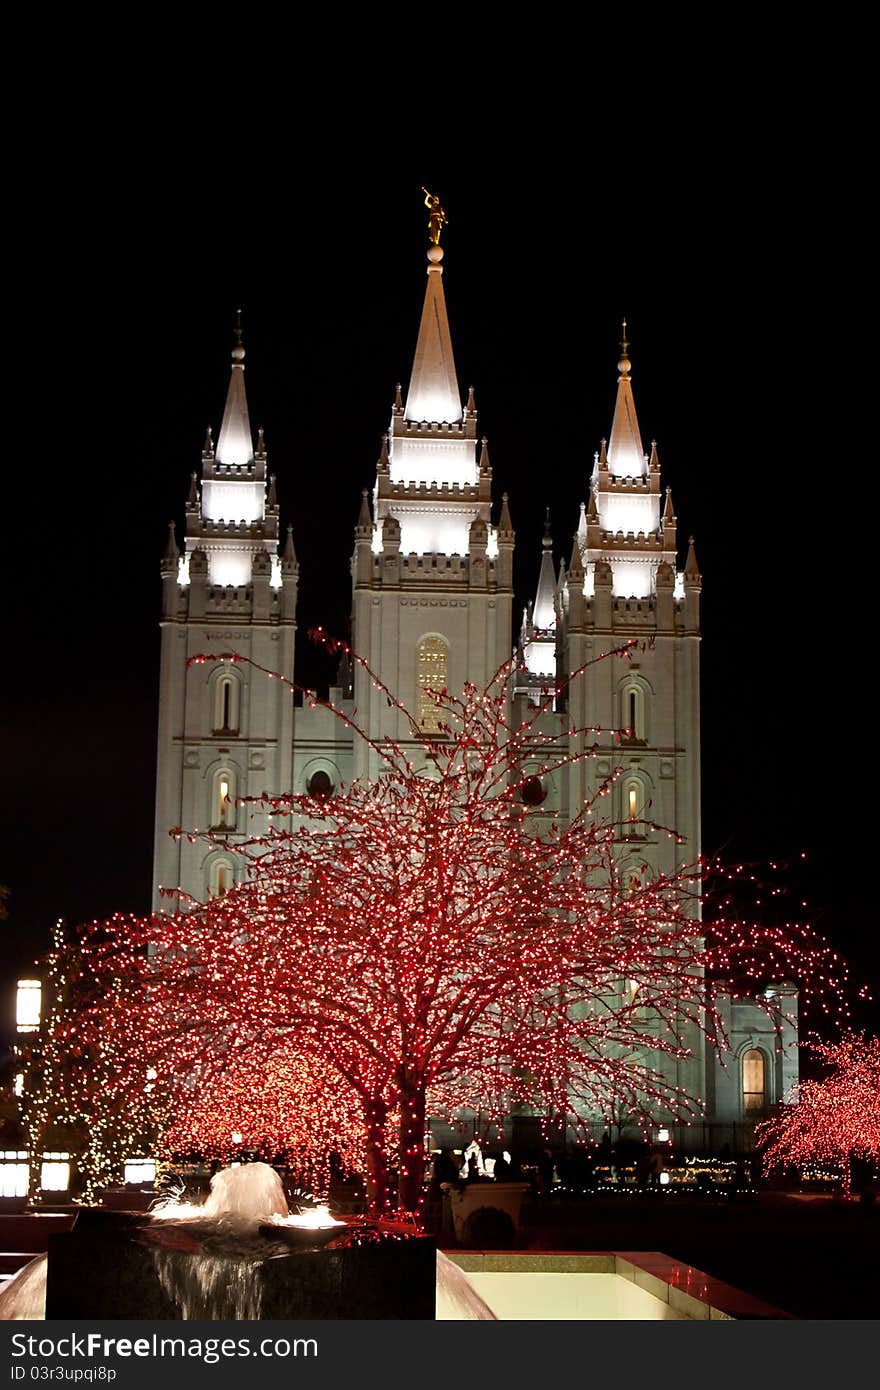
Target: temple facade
x: 432, y: 608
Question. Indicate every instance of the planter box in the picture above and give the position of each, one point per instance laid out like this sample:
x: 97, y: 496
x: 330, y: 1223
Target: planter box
x: 501, y: 1196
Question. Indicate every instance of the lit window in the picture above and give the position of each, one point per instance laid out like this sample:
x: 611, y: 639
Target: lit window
x: 55, y: 1172
x: 221, y: 878
x: 432, y: 661
x: 28, y: 1006
x: 754, y: 1090
x: 223, y: 800
x: 13, y: 1173
x: 633, y: 804
x: 140, y: 1171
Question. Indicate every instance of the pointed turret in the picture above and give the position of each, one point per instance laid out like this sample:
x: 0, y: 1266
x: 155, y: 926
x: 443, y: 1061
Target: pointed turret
x: 692, y: 569
x: 668, y: 512
x: 288, y: 555
x: 575, y: 564
x: 362, y: 560
x: 626, y: 457
x: 169, y: 569
x: 544, y: 610
x: 433, y: 388
x: 365, y: 521
x: 172, y: 554
x: 693, y: 583
x: 234, y: 445
x: 272, y: 498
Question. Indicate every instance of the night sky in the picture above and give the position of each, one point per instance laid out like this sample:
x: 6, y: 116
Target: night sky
x: 121, y: 339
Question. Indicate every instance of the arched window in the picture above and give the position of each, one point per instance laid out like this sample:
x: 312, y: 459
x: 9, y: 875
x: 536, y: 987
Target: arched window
x: 319, y: 785
x: 634, y: 807
x: 754, y: 1086
x: 433, y: 653
x: 634, y: 711
x: 226, y: 704
x: 533, y: 791
x: 221, y: 877
x: 223, y: 800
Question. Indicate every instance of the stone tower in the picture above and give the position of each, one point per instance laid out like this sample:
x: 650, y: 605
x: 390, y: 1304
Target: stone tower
x: 432, y: 577
x: 225, y: 731
x: 622, y: 585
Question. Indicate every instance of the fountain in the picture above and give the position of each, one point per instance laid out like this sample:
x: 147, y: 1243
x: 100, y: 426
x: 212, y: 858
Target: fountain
x: 241, y: 1255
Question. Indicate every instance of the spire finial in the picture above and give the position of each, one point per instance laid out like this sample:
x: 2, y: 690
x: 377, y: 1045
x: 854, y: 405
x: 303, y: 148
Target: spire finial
x: 547, y: 542
x: 624, y: 363
x: 208, y: 446
x: 238, y: 350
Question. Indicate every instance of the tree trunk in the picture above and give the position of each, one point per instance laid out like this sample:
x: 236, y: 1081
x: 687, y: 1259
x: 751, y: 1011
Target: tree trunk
x: 412, y: 1151
x: 378, y: 1196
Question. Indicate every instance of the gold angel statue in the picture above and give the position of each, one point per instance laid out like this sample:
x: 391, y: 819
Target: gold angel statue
x: 437, y: 218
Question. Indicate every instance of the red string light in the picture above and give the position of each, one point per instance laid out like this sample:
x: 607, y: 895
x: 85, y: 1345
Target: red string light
x: 408, y: 947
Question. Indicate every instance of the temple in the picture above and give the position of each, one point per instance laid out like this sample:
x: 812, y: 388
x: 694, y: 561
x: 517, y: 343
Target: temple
x: 433, y: 608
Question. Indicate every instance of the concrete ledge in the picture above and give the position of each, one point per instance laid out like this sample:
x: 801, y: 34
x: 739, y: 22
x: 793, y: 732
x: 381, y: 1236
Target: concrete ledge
x: 688, y: 1292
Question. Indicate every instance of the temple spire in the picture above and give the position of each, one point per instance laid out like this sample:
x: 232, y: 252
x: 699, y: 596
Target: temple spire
x: 433, y: 388
x: 544, y: 610
x: 234, y: 444
x: 626, y: 458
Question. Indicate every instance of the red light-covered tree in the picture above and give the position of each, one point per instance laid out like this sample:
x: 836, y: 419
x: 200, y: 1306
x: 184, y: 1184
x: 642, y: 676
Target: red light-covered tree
x: 428, y: 940
x: 833, y: 1120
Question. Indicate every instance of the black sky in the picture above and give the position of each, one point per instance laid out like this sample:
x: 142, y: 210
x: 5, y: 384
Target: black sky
x: 122, y: 329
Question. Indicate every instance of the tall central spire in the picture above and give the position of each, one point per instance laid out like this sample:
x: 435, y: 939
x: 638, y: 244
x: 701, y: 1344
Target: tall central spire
x: 626, y: 458
x: 433, y: 388
x: 235, y: 444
